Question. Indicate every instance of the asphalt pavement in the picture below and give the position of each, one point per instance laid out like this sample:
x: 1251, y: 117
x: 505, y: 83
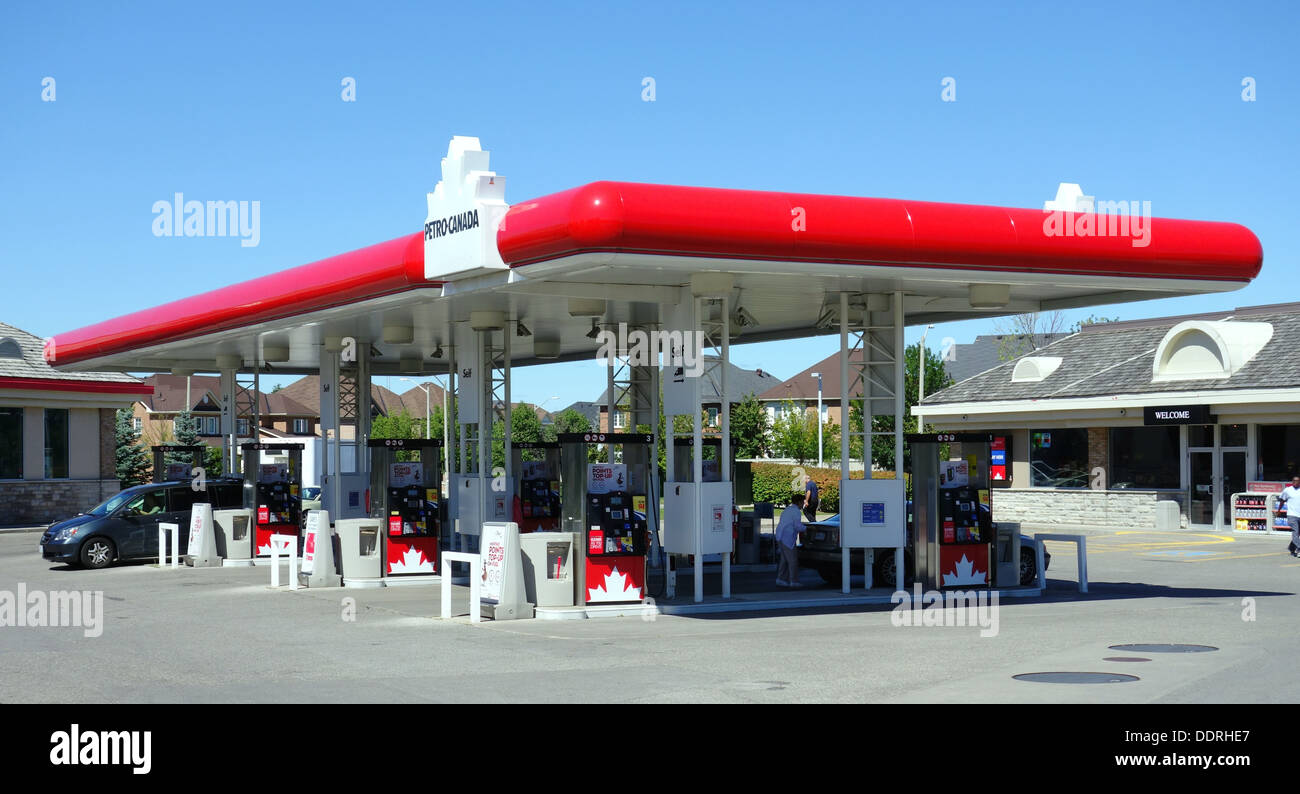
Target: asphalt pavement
x: 221, y: 635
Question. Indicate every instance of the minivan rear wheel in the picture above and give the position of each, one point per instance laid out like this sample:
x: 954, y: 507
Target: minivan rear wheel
x: 97, y: 553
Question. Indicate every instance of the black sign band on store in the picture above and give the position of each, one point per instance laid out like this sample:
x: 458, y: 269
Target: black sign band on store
x: 1178, y: 415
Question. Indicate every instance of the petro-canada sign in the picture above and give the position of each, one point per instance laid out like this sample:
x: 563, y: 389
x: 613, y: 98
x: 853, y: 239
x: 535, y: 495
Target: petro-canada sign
x: 465, y: 209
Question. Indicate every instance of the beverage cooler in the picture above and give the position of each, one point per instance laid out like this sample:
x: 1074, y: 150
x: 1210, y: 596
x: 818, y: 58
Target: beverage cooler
x: 954, y: 535
x: 273, y: 490
x: 406, y: 496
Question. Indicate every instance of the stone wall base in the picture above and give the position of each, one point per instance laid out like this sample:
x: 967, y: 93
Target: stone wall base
x: 1124, y: 508
x: 33, y: 502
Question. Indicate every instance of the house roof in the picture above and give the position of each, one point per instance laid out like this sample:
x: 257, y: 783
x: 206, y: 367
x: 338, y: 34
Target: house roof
x: 985, y: 353
x: 23, y: 366
x: 589, y: 410
x: 803, y: 386
x: 168, y: 395
x: 305, y: 392
x: 1118, y: 358
x: 740, y: 382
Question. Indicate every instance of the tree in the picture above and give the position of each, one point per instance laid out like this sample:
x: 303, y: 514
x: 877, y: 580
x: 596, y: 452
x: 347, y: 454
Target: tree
x: 1092, y: 319
x: 750, y: 428
x: 187, y: 430
x: 186, y: 434
x: 133, y: 463
x: 570, y: 421
x: 1022, y: 334
x: 398, y: 425
x: 794, y: 433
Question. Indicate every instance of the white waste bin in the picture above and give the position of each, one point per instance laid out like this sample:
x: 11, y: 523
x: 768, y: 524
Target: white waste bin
x: 548, y: 568
x: 361, y: 553
x: 234, y: 535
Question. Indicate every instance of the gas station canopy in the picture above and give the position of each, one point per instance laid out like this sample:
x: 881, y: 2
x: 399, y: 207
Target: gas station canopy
x: 619, y: 251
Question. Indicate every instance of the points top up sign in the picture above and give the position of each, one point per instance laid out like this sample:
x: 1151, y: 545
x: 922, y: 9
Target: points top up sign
x: 465, y: 209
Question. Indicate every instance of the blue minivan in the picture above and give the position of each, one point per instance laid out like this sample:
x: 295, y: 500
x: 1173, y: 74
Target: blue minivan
x: 125, y: 526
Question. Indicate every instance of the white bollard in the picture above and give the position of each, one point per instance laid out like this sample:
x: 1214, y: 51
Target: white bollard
x: 287, y: 543
x: 163, y: 529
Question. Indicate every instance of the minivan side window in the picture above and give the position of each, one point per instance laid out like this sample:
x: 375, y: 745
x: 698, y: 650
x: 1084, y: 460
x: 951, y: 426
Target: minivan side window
x: 183, y: 498
x: 227, y: 496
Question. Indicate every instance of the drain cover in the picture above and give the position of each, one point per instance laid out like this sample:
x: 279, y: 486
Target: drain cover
x: 1163, y: 648
x: 1076, y: 678
x: 1126, y: 659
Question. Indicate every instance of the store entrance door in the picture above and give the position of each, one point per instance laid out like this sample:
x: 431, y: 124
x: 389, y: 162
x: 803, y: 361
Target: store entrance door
x: 1214, y: 475
x: 1200, y: 484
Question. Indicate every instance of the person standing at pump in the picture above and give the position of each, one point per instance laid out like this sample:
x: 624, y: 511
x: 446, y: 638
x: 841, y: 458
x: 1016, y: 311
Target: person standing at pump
x: 1291, y: 494
x: 788, y: 529
x: 810, y: 504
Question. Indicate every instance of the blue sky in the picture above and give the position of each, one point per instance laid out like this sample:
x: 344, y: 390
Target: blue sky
x: 1137, y: 101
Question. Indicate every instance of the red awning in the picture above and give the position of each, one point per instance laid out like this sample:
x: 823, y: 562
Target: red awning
x: 371, y: 272
x: 628, y: 217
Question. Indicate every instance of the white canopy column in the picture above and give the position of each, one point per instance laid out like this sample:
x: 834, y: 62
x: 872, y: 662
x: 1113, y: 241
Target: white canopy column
x: 873, y: 512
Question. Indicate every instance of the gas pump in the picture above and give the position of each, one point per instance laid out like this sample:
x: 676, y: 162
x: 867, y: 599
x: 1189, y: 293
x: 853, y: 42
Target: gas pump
x: 169, y: 461
x: 536, y: 465
x: 609, y: 505
x: 954, y: 533
x: 273, y: 491
x: 406, y: 496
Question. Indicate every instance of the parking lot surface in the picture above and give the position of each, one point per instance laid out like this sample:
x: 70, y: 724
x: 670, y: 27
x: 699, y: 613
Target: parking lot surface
x: 221, y: 635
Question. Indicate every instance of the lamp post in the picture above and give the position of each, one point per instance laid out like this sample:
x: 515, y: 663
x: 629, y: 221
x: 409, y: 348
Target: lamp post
x: 428, y: 417
x: 920, y: 391
x: 818, y: 376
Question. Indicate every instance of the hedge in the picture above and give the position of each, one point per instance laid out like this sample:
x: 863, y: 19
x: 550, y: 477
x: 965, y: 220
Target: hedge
x: 776, y: 483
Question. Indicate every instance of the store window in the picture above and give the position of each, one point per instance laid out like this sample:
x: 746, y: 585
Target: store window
x: 1144, y: 457
x: 1232, y: 435
x: 1200, y: 435
x: 1058, y: 458
x: 1279, y: 452
x: 56, y: 443
x: 11, y: 443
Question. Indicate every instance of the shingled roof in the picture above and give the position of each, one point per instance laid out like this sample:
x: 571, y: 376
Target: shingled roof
x: 22, y: 355
x: 1117, y: 358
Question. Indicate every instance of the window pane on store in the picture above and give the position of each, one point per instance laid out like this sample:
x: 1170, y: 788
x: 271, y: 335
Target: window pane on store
x: 56, y: 443
x: 1058, y: 458
x: 11, y: 443
x: 1279, y: 452
x: 1232, y: 435
x: 1200, y: 435
x: 1144, y: 457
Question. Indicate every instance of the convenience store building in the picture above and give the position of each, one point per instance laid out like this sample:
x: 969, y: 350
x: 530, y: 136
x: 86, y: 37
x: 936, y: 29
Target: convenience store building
x: 1104, y: 424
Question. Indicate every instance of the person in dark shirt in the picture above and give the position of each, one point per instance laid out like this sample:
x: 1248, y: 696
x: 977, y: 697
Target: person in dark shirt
x: 810, y: 499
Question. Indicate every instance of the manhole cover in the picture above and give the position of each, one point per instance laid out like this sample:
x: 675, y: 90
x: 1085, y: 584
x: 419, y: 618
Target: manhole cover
x: 1076, y: 678
x: 1126, y: 659
x: 1163, y: 648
